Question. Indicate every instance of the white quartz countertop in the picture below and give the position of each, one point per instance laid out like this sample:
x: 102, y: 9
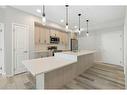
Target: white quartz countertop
x: 43, y: 65
x: 79, y: 53
x: 40, y: 51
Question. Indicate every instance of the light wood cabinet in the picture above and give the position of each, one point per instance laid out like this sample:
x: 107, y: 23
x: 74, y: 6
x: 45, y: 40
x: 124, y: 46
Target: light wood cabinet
x: 42, y: 35
x: 57, y: 78
x: 61, y: 37
x: 37, y: 35
x: 47, y: 36
x: 53, y: 32
x: 64, y: 38
x: 74, y: 35
x: 58, y: 33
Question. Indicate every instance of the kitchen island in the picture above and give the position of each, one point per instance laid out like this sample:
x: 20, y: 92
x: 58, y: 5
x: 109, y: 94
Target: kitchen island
x: 55, y: 72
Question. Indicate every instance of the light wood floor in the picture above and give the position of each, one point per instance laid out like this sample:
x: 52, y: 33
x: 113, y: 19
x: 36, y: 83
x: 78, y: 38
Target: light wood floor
x: 100, y: 76
x: 21, y: 81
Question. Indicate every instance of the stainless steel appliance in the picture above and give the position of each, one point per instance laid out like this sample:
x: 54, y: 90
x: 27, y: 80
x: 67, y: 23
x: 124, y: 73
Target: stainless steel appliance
x: 54, y: 40
x: 53, y: 49
x: 74, y: 44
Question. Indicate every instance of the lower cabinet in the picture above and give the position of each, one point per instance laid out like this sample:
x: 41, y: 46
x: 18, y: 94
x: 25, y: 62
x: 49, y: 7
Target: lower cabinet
x: 59, y: 77
x: 69, y: 73
x: 84, y: 62
x: 41, y: 54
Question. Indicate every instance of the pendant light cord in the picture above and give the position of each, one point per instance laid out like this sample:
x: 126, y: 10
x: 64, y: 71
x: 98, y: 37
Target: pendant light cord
x: 66, y: 14
x: 43, y: 11
x: 87, y: 25
x: 79, y: 21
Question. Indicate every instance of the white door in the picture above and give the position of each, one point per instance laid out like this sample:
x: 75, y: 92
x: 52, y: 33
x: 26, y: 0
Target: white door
x: 21, y: 47
x: 112, y: 46
x: 1, y: 48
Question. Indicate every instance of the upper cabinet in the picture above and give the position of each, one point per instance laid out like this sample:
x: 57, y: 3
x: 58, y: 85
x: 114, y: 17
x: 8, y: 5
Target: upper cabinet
x: 53, y: 32
x: 42, y: 35
x: 37, y: 35
x: 48, y: 34
x: 74, y: 35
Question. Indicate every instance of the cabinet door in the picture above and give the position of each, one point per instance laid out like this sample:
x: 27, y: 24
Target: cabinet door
x: 52, y: 32
x: 57, y: 33
x: 47, y: 36
x: 74, y: 36
x: 66, y: 39
x: 61, y: 38
x: 37, y: 35
x: 42, y: 35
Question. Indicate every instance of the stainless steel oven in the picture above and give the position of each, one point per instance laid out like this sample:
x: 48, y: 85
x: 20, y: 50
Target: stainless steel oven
x: 54, y: 40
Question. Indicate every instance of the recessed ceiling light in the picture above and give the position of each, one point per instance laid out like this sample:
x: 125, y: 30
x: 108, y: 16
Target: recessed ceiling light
x: 75, y: 26
x: 61, y: 20
x: 38, y: 10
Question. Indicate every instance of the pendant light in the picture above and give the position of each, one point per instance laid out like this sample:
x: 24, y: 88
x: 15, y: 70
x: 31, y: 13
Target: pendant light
x: 79, y: 30
x: 66, y: 16
x: 43, y: 15
x: 87, y: 33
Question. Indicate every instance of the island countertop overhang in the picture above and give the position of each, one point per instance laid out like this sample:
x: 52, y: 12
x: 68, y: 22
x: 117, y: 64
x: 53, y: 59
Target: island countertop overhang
x: 43, y: 65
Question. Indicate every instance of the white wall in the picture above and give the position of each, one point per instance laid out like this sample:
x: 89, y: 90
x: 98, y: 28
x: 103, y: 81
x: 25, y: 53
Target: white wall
x: 87, y: 42
x: 125, y: 47
x: 14, y: 16
x: 1, y: 15
x: 112, y: 46
x: 96, y: 41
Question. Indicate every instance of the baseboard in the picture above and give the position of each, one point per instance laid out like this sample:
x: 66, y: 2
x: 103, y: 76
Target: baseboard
x: 4, y: 74
x: 98, y: 61
x: 9, y: 75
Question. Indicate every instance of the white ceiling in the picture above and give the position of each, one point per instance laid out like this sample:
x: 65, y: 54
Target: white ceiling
x: 96, y: 14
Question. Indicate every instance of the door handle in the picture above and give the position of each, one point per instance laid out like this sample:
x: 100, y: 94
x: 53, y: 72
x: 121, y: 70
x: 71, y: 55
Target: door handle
x: 25, y: 51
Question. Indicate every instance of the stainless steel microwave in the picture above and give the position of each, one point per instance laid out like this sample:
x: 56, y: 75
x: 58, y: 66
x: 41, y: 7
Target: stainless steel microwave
x: 54, y: 40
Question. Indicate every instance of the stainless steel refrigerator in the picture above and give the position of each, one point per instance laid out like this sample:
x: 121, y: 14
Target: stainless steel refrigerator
x: 74, y: 44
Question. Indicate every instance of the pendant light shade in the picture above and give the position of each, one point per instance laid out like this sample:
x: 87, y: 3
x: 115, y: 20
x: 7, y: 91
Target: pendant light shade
x: 66, y: 16
x: 43, y: 15
x: 87, y: 33
x: 79, y: 30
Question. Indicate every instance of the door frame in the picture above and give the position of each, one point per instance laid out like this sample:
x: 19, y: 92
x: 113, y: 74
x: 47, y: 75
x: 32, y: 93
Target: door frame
x: 3, y: 64
x: 13, y: 47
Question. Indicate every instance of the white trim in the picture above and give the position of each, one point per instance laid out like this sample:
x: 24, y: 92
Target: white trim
x: 40, y: 80
x: 13, y: 62
x: 106, y: 63
x: 3, y: 65
x: 99, y: 61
